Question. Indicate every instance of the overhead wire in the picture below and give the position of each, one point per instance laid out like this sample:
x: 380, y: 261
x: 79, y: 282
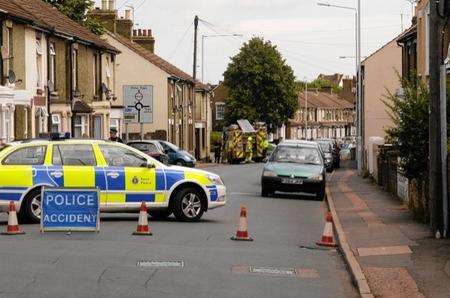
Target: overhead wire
x: 180, y: 40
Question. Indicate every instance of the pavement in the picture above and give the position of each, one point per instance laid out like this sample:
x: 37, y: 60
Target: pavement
x: 399, y: 257
x: 184, y: 259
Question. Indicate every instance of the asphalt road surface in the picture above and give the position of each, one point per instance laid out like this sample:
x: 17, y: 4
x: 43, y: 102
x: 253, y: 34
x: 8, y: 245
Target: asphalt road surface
x: 184, y: 259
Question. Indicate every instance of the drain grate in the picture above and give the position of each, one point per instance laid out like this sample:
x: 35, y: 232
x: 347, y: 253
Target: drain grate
x: 272, y: 271
x: 160, y: 264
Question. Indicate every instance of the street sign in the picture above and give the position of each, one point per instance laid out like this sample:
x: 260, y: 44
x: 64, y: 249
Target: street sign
x: 138, y: 103
x: 69, y: 209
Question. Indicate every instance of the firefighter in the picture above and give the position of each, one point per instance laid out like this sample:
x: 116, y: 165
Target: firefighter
x: 249, y: 150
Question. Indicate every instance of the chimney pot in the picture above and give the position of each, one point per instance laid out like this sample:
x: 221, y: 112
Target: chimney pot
x: 139, y: 32
x: 104, y: 4
x: 144, y: 32
x: 149, y: 32
x: 134, y: 32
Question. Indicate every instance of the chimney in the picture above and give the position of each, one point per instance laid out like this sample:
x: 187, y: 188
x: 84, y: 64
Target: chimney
x: 145, y: 39
x: 128, y: 14
x: 124, y: 26
x: 105, y: 16
x: 112, y: 5
x: 104, y: 4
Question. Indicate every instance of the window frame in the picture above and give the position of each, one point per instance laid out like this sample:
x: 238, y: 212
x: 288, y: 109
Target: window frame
x: 220, y: 106
x: 52, y: 64
x: 57, y: 146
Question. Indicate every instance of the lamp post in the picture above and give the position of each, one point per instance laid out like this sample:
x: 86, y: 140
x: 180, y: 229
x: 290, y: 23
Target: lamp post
x: 203, y: 48
x: 357, y: 12
x: 306, y: 108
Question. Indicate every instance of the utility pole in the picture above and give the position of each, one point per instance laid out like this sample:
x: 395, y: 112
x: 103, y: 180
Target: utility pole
x: 194, y: 71
x: 435, y: 125
x: 360, y: 118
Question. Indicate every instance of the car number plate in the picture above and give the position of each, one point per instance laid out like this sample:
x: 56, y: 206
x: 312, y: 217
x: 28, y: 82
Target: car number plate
x: 292, y: 181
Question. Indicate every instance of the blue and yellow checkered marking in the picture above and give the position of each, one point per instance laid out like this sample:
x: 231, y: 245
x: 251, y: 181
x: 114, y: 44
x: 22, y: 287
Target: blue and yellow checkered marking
x: 173, y: 177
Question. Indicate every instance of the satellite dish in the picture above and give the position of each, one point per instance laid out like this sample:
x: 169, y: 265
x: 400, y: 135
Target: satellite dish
x: 11, y: 77
x: 51, y: 86
x: 104, y: 88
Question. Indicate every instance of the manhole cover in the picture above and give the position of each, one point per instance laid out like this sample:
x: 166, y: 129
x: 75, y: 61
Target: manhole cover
x: 272, y: 271
x: 160, y: 264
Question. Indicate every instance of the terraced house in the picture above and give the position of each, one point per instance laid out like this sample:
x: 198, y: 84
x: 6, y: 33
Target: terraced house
x: 177, y: 107
x: 322, y: 114
x: 56, y: 75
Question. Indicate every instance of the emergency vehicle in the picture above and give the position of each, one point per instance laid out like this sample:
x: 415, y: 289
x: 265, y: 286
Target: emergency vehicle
x: 124, y: 176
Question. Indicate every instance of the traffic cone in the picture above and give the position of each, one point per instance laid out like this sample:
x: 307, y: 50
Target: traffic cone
x: 242, y: 233
x: 13, y: 225
x: 142, y: 228
x: 327, y: 237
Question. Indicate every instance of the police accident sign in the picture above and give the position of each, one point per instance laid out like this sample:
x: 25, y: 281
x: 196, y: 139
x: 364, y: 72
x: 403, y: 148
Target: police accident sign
x: 70, y: 209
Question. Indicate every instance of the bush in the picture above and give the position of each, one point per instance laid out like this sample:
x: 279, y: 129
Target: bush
x: 216, y: 136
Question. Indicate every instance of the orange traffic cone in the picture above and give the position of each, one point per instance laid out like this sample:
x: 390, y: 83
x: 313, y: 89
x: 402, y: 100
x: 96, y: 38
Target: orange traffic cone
x: 142, y: 228
x: 13, y: 225
x: 242, y: 233
x: 327, y: 237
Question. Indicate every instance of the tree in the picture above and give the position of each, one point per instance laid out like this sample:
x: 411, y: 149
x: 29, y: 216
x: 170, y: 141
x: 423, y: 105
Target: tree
x: 319, y: 84
x: 261, y: 85
x: 409, y: 134
x: 78, y: 10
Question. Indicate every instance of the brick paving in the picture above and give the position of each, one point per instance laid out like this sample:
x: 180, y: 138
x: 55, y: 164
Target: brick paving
x: 399, y: 256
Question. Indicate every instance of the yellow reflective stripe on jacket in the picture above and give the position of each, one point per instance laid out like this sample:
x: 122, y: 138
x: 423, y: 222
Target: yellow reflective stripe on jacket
x: 17, y: 176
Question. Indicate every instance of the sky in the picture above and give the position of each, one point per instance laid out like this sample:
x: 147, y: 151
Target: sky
x: 311, y: 38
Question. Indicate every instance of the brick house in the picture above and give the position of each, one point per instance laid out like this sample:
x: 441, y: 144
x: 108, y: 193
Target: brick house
x: 322, y: 114
x: 179, y: 104
x: 53, y: 67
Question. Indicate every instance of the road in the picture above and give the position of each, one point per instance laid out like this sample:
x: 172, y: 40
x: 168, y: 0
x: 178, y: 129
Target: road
x: 105, y: 264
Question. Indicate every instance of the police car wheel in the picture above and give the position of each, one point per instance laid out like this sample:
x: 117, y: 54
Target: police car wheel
x: 188, y: 205
x: 30, y: 210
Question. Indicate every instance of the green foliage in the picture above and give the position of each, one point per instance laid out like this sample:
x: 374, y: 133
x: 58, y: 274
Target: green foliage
x: 261, y: 85
x: 77, y: 10
x: 216, y: 137
x: 410, y: 134
x: 319, y: 84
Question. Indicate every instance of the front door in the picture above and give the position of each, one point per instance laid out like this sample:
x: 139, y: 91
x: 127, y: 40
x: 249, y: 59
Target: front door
x: 128, y: 179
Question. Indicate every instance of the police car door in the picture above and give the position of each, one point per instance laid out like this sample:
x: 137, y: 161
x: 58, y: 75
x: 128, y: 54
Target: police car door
x: 129, y: 180
x: 73, y: 165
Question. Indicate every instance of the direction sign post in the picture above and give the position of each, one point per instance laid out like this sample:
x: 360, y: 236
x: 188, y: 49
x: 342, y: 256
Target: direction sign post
x: 138, y: 105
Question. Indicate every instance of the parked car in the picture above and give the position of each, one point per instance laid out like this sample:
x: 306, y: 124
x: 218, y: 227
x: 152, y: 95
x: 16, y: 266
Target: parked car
x: 294, y: 167
x: 178, y: 156
x: 327, y: 148
x: 151, y: 148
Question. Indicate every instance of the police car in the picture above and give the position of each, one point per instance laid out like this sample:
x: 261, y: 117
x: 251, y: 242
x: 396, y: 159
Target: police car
x: 124, y: 176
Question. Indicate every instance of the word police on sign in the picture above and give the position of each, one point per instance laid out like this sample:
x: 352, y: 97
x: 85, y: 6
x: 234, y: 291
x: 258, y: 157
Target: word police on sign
x: 69, y: 209
x: 138, y: 103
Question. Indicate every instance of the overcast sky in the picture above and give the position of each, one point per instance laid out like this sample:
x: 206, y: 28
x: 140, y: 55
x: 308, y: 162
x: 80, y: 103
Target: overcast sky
x: 311, y: 38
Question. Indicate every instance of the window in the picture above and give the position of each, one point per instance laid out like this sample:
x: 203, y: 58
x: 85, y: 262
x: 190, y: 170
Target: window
x: 220, y: 111
x: 74, y: 69
x: 26, y: 156
x: 98, y: 127
x: 52, y: 64
x: 146, y: 147
x: 96, y: 74
x: 79, y: 124
x: 73, y: 155
x: 121, y: 157
x: 39, y: 77
x: 56, y: 123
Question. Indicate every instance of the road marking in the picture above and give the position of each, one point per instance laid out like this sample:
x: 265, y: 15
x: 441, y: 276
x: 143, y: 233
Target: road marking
x: 384, y: 250
x: 161, y: 264
x: 272, y: 271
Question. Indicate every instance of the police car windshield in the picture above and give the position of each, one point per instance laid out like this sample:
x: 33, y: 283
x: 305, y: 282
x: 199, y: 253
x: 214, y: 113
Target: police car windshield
x: 291, y: 154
